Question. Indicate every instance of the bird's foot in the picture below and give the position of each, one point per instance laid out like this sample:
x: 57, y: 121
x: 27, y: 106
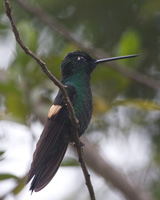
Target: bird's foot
x: 81, y: 144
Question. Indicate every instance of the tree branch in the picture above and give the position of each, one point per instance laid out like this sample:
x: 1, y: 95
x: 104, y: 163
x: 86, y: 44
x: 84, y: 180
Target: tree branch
x: 85, y: 45
x: 62, y: 88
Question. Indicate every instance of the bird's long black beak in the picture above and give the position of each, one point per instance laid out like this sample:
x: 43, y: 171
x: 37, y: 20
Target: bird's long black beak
x: 115, y: 58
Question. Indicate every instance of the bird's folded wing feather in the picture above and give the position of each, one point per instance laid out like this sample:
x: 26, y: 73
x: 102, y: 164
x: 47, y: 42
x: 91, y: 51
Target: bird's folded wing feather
x: 57, y: 116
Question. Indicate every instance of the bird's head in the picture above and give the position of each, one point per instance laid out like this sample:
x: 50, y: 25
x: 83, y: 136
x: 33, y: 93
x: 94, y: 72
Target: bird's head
x: 78, y: 62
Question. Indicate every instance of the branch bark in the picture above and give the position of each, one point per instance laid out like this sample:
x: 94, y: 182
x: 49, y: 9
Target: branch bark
x: 62, y: 88
x: 85, y: 45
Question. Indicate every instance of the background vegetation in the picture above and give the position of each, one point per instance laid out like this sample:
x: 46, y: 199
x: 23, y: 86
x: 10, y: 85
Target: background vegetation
x: 126, y: 114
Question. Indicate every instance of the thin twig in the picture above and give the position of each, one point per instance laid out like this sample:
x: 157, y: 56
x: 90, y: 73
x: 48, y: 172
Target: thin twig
x: 85, y: 45
x: 62, y: 88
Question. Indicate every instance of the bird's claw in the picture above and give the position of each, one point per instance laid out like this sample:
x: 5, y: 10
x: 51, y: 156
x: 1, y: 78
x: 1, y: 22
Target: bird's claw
x: 81, y: 144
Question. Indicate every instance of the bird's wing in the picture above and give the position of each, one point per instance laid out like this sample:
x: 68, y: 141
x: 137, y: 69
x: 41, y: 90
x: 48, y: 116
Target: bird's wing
x: 49, y: 139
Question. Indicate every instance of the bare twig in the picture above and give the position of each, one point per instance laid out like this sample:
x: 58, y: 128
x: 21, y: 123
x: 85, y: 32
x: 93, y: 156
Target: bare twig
x: 85, y: 45
x: 62, y: 88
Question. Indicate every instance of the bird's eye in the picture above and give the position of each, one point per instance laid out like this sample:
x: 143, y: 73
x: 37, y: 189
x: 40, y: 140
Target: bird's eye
x: 81, y: 58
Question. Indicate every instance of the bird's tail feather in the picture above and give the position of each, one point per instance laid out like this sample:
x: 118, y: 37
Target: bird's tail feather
x: 48, y: 169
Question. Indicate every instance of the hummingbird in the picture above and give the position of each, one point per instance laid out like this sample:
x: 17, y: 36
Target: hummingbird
x: 76, y: 69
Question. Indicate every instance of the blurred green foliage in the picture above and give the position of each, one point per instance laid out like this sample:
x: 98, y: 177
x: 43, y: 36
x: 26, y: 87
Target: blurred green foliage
x: 117, y: 27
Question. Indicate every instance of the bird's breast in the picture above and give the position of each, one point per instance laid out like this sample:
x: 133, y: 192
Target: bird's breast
x: 83, y: 108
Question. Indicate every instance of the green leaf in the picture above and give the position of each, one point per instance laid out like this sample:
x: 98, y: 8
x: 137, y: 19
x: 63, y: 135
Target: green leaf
x: 1, y: 155
x: 138, y: 103
x: 101, y: 105
x: 70, y: 162
x: 2, y: 152
x: 129, y: 43
x: 14, y: 100
x: 28, y: 34
x: 20, y: 186
x: 8, y: 176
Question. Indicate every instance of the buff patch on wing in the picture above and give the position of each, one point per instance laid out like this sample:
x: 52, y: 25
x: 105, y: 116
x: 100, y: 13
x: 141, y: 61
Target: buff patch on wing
x: 53, y: 110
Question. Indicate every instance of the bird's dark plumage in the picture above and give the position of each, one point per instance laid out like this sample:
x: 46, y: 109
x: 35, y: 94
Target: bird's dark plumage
x: 51, y: 147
